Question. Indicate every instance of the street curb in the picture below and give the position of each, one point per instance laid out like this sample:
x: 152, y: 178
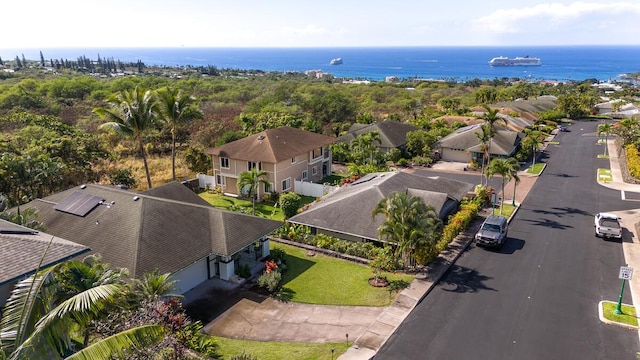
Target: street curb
x: 610, y: 322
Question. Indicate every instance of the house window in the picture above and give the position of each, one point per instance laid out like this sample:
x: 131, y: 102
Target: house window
x: 314, y: 171
x: 254, y: 165
x: 293, y: 160
x: 220, y: 180
x: 317, y: 153
x: 224, y: 162
x: 267, y: 187
x: 304, y: 175
x: 286, y: 184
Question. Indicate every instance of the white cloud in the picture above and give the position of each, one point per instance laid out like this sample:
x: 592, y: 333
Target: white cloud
x: 554, y: 16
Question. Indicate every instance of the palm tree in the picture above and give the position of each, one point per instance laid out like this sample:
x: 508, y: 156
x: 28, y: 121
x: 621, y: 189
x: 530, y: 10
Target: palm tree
x: 409, y: 224
x: 514, y: 167
x: 175, y: 110
x: 504, y: 168
x: 534, y: 139
x: 627, y: 130
x: 155, y: 285
x: 485, y: 137
x: 251, y: 180
x: 490, y: 120
x: 605, y: 129
x: 36, y: 322
x: 132, y: 114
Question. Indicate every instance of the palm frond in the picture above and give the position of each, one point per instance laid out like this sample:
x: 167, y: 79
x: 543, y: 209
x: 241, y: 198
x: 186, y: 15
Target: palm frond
x: 117, y: 344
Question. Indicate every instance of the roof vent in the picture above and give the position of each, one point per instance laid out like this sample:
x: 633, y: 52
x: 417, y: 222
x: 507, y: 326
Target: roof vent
x: 260, y: 137
x: 135, y: 198
x: 83, y: 186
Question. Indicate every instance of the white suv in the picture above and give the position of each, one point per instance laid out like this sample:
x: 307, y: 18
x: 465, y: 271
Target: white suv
x: 607, y: 225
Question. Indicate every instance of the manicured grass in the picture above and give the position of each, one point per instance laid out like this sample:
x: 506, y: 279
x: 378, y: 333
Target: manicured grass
x: 602, y: 156
x: 604, y: 174
x: 334, y: 179
x: 536, y: 169
x: 507, y: 209
x: 628, y: 315
x: 279, y: 350
x: 554, y: 142
x: 326, y: 280
x: 265, y: 209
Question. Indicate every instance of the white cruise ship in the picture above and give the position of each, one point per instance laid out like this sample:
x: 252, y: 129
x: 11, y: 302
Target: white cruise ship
x: 517, y: 61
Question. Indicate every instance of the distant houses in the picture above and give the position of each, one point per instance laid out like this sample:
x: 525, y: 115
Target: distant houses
x: 463, y: 145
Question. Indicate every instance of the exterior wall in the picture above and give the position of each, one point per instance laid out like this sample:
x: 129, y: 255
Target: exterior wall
x: 455, y: 155
x: 287, y: 170
x: 191, y: 276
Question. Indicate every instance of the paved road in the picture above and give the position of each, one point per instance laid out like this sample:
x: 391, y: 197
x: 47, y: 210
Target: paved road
x: 537, y: 297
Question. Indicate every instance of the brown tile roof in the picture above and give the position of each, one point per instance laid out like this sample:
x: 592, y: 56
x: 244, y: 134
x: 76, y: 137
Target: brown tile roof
x: 393, y: 134
x: 142, y: 232
x: 273, y: 145
x: 21, y: 250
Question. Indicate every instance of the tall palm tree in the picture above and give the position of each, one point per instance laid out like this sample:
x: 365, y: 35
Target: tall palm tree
x: 491, y: 118
x: 627, y: 130
x: 175, y: 110
x: 534, y: 139
x: 251, y: 180
x: 504, y: 168
x: 484, y: 135
x: 409, y: 224
x: 605, y: 128
x: 514, y: 167
x: 132, y: 114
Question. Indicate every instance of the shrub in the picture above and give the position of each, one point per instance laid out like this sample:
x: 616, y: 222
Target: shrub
x: 289, y: 203
x: 277, y: 255
x: 270, y: 281
x: 633, y: 160
x: 122, y: 177
x: 244, y: 271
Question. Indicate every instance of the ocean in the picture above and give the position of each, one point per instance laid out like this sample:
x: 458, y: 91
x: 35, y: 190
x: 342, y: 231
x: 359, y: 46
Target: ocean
x: 559, y: 63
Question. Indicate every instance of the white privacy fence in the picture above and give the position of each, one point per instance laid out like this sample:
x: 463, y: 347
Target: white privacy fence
x: 300, y: 187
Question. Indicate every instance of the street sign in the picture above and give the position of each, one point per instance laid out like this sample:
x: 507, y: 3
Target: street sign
x: 625, y: 273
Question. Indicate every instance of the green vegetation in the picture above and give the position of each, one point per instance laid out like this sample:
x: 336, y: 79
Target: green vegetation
x: 536, y: 169
x: 628, y: 315
x: 264, y: 350
x: 321, y: 279
x: 507, y: 210
x: 266, y: 209
x: 604, y: 175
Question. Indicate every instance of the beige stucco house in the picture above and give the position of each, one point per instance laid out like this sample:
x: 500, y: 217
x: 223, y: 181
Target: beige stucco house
x: 287, y: 154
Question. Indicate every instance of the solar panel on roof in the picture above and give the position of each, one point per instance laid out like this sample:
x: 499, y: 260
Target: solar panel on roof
x: 79, y: 203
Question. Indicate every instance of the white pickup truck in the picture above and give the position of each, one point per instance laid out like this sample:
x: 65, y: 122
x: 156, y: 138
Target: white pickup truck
x: 607, y: 225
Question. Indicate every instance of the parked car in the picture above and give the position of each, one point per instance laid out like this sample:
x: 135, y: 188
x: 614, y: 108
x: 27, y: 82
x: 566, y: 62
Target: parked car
x: 563, y: 128
x: 607, y: 225
x: 493, y: 232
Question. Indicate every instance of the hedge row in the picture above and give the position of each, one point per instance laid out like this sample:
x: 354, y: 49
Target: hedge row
x: 633, y: 160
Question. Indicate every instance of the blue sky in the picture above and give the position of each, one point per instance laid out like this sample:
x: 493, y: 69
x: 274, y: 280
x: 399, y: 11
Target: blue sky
x: 325, y: 23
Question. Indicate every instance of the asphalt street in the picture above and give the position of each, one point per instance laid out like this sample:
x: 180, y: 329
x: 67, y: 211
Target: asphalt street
x: 537, y: 297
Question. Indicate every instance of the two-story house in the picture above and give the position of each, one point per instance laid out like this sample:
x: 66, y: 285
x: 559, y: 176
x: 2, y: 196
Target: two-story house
x: 286, y: 154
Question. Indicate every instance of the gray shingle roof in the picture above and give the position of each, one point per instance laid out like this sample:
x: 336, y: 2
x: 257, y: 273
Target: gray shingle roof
x: 393, y: 134
x: 503, y: 143
x: 21, y: 250
x: 348, y: 209
x: 273, y: 145
x: 152, y: 232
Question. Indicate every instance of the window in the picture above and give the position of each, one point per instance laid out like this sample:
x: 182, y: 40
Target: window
x: 224, y: 162
x: 317, y: 153
x: 267, y: 187
x: 252, y: 165
x: 286, y: 184
x: 220, y: 179
x: 293, y: 160
x: 304, y: 175
x: 314, y: 171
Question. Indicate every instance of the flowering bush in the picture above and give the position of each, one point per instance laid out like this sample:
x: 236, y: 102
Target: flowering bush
x: 271, y: 266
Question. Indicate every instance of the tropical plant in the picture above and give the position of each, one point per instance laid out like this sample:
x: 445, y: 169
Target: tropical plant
x: 627, y: 130
x: 176, y: 110
x: 484, y: 135
x: 491, y: 118
x: 605, y: 128
x: 505, y: 168
x: 409, y: 224
x: 250, y: 181
x: 154, y: 285
x: 132, y: 114
x: 534, y: 139
x: 289, y: 203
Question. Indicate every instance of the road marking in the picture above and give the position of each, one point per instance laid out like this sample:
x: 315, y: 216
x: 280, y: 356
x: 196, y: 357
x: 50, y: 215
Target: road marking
x: 622, y: 195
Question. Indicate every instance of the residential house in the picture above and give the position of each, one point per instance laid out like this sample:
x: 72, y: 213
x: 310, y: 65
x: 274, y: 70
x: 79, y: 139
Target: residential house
x: 463, y: 145
x: 23, y: 251
x: 346, y: 212
x: 287, y: 154
x: 393, y: 134
x: 168, y: 228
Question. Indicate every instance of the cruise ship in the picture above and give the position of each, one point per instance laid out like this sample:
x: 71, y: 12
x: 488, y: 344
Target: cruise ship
x: 336, y: 61
x: 517, y: 61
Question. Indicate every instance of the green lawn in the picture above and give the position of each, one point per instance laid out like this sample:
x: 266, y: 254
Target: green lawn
x: 554, y: 143
x: 536, y: 169
x: 603, y: 156
x: 334, y: 179
x: 507, y: 209
x: 604, y: 175
x: 265, y: 209
x: 628, y: 315
x: 326, y: 280
x: 279, y: 350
